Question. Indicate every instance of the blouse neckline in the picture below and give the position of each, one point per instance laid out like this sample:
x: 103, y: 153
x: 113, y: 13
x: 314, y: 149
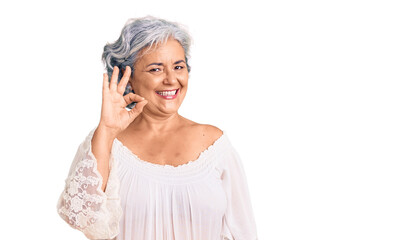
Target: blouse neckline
x: 205, y: 160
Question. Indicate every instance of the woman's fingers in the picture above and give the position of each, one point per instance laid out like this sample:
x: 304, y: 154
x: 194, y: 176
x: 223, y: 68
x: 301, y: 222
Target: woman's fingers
x: 132, y: 97
x: 105, y: 85
x: 114, y: 79
x: 135, y: 111
x: 124, y: 81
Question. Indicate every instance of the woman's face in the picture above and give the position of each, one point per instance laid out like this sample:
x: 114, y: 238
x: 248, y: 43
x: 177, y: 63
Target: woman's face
x: 161, y: 77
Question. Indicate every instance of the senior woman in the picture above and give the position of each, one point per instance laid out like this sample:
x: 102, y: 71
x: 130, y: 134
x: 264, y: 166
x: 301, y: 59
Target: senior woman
x: 145, y: 172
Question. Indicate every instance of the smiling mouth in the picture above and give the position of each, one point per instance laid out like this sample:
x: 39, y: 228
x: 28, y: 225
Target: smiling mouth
x: 168, y: 94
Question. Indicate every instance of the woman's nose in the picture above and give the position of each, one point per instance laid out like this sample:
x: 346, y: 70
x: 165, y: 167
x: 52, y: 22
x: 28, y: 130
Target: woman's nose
x: 170, y: 76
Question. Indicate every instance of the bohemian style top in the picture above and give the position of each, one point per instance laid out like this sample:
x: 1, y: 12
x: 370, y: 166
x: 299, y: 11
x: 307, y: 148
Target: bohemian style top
x: 204, y: 199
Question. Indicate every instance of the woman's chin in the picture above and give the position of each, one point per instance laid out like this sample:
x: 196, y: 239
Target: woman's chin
x: 171, y: 109
x: 168, y: 108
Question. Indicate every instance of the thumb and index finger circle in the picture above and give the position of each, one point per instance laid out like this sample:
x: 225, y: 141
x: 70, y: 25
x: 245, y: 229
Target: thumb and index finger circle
x: 135, y: 111
x: 132, y: 97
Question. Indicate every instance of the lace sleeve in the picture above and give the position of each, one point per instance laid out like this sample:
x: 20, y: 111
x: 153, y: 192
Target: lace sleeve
x: 82, y: 204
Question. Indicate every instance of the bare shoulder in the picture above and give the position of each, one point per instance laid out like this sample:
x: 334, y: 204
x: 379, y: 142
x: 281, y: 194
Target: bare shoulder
x: 211, y: 131
x: 208, y: 134
x: 202, y: 134
x: 204, y: 130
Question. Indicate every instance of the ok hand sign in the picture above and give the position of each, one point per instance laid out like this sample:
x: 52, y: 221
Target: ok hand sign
x: 114, y: 115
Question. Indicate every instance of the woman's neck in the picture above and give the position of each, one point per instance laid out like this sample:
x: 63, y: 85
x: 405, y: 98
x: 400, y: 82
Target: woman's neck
x: 157, y: 124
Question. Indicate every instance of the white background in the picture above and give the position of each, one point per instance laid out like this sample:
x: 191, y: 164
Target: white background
x: 313, y: 95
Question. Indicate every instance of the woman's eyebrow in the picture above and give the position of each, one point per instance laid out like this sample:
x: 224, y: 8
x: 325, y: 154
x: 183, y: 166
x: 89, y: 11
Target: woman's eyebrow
x: 177, y: 62
x: 160, y: 64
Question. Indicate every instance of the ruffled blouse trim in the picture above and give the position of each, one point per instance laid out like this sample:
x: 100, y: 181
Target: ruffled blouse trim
x: 205, y: 162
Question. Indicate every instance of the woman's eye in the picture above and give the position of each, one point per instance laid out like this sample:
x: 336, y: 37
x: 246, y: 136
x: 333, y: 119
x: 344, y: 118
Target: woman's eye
x: 154, y: 70
x: 178, y: 67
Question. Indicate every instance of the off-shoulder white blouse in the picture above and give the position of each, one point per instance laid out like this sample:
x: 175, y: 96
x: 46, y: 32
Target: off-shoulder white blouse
x: 204, y: 199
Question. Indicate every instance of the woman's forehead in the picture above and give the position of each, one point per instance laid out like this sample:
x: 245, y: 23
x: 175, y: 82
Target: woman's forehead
x: 171, y: 51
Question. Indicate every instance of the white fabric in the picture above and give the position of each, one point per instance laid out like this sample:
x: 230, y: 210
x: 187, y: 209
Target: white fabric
x: 205, y: 199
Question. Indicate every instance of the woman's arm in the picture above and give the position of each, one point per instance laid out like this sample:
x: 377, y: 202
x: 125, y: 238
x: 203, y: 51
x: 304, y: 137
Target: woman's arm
x: 83, y: 204
x: 114, y: 118
x: 90, y: 200
x: 238, y: 222
x: 101, y: 143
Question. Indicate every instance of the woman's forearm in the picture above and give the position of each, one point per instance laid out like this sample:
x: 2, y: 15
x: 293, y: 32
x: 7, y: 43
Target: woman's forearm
x: 101, y: 148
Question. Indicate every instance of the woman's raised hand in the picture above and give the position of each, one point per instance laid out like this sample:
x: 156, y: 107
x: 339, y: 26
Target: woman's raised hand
x: 114, y: 116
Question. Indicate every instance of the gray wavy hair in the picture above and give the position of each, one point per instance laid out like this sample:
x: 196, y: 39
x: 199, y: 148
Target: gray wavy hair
x: 140, y: 33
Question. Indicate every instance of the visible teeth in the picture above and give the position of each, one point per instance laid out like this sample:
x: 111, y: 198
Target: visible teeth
x: 167, y: 93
